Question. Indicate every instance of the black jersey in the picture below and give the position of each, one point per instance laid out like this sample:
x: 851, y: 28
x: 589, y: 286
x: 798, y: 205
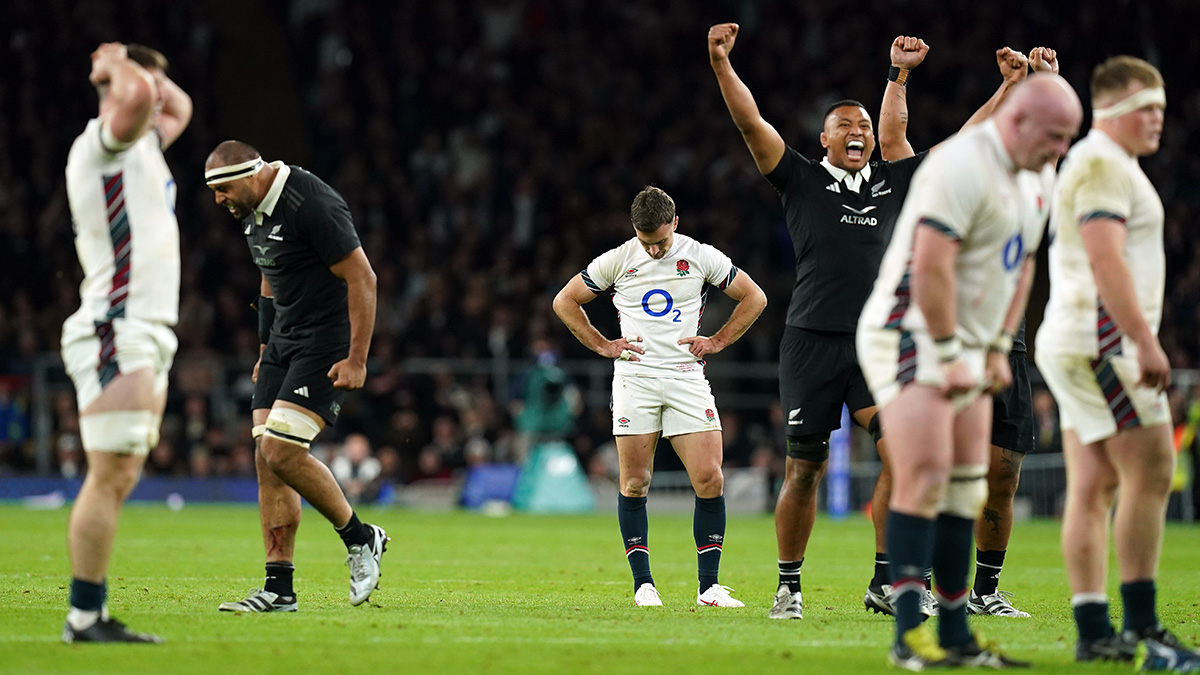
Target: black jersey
x: 309, y: 230
x: 839, y: 236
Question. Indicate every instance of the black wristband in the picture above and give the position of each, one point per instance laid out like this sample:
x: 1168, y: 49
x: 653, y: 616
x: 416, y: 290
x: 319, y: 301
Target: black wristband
x: 898, y: 75
x: 266, y: 318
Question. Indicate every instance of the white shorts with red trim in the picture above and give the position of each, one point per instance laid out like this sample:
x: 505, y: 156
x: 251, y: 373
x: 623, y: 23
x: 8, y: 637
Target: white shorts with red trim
x: 1097, y: 398
x: 672, y: 405
x: 94, y: 353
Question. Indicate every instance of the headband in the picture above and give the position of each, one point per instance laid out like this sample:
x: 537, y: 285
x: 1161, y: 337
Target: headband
x: 1143, y: 98
x: 224, y: 174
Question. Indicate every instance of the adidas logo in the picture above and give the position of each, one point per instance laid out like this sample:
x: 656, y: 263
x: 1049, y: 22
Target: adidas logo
x: 833, y: 187
x: 302, y: 391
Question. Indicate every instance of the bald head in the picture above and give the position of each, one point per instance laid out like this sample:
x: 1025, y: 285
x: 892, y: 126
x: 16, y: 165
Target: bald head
x: 1038, y: 120
x: 230, y: 152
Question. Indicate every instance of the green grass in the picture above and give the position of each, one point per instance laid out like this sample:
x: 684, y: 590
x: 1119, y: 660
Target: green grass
x: 467, y: 593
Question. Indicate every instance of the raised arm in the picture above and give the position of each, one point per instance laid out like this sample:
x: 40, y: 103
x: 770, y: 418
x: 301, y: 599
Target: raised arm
x: 355, y: 270
x: 906, y: 54
x: 765, y: 143
x: 751, y: 301
x: 176, y: 110
x: 1013, y: 68
x: 129, y: 104
x: 568, y: 305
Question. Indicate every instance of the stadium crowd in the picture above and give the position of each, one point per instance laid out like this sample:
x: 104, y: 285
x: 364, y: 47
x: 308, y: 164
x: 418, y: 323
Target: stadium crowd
x: 487, y: 150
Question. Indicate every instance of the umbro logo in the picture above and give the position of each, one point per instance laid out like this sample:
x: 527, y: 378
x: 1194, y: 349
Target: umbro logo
x: 716, y: 538
x: 633, y: 540
x: 857, y: 212
x: 834, y: 188
x: 275, y: 233
x: 302, y: 391
x: 631, y: 272
x: 624, y: 421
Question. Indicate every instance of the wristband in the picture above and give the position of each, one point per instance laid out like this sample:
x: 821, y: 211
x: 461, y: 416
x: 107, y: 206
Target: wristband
x: 898, y: 75
x: 948, y: 349
x: 1002, y: 344
x: 266, y: 318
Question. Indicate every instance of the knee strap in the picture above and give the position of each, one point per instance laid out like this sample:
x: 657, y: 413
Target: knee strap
x: 291, y: 426
x: 125, y: 431
x: 810, y: 447
x: 257, y: 431
x: 966, y: 492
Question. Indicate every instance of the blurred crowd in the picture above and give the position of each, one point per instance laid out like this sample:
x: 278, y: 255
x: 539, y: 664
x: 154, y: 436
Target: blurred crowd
x: 488, y: 151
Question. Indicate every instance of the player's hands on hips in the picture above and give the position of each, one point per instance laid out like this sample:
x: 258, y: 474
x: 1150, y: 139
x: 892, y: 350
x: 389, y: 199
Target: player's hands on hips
x: 700, y: 345
x: 908, y: 52
x: 626, y: 349
x: 720, y: 40
x: 347, y: 374
x: 1013, y: 64
x: 1043, y: 59
x: 999, y: 372
x: 1155, y: 368
x: 957, y: 379
x: 103, y: 58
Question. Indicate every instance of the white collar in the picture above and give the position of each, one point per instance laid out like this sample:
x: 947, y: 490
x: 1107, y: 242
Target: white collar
x: 989, y: 129
x: 852, y: 181
x: 267, y: 206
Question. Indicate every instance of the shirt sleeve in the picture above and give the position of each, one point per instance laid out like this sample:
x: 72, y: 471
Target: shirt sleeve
x: 326, y: 223
x: 602, y: 273
x: 1102, y: 189
x: 718, y: 268
x: 948, y: 196
x: 786, y: 171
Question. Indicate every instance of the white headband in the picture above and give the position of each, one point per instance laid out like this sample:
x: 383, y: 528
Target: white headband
x: 224, y: 174
x: 1145, y: 97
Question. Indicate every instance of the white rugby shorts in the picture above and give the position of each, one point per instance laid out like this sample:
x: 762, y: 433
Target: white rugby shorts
x: 672, y: 405
x: 94, y: 355
x: 1099, y: 397
x: 891, y: 359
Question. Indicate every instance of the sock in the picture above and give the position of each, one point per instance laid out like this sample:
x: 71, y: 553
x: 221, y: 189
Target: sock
x: 87, y: 600
x: 708, y: 529
x: 987, y: 571
x: 631, y: 514
x: 1091, y: 616
x: 279, y: 579
x: 910, y: 547
x: 881, y: 570
x: 354, y: 533
x: 789, y: 574
x: 1138, y: 598
x: 951, y: 565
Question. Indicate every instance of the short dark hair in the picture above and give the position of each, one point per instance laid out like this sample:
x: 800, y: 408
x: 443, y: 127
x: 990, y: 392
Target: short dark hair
x: 844, y: 103
x: 150, y: 59
x: 652, y: 208
x: 1115, y: 74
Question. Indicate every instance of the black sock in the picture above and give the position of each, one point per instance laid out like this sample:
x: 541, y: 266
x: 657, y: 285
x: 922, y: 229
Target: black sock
x: 708, y: 529
x: 1138, y: 598
x: 910, y: 547
x: 1091, y: 618
x: 881, y: 571
x: 631, y: 515
x: 987, y: 571
x: 789, y: 574
x: 951, y: 565
x: 88, y: 596
x: 354, y: 533
x: 279, y: 579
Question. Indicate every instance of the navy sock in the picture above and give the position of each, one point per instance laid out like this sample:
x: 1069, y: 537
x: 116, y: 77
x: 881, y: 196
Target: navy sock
x: 631, y: 514
x: 789, y: 574
x: 279, y: 579
x: 1138, y: 598
x: 951, y: 565
x: 1091, y: 618
x: 881, y: 570
x: 708, y: 529
x: 354, y: 533
x: 910, y: 546
x: 987, y: 571
x: 88, y: 596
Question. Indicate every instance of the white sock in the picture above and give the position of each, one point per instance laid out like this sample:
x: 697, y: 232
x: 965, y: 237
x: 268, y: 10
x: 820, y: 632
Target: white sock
x: 82, y: 619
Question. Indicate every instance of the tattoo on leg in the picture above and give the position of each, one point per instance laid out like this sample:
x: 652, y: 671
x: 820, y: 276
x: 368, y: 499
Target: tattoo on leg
x: 992, y: 516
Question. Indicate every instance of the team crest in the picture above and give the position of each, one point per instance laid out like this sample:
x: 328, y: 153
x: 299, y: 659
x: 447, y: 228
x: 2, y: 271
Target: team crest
x: 710, y: 414
x: 682, y: 268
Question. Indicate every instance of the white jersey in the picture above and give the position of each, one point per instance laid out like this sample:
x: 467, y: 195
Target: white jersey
x: 126, y: 235
x: 1099, y: 178
x: 966, y: 188
x: 660, y: 301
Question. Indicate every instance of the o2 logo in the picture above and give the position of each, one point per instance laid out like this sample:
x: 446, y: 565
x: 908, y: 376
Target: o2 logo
x: 666, y: 309
x: 1014, y: 250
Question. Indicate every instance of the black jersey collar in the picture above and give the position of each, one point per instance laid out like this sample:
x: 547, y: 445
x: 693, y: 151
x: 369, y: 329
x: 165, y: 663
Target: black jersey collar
x: 853, y: 181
